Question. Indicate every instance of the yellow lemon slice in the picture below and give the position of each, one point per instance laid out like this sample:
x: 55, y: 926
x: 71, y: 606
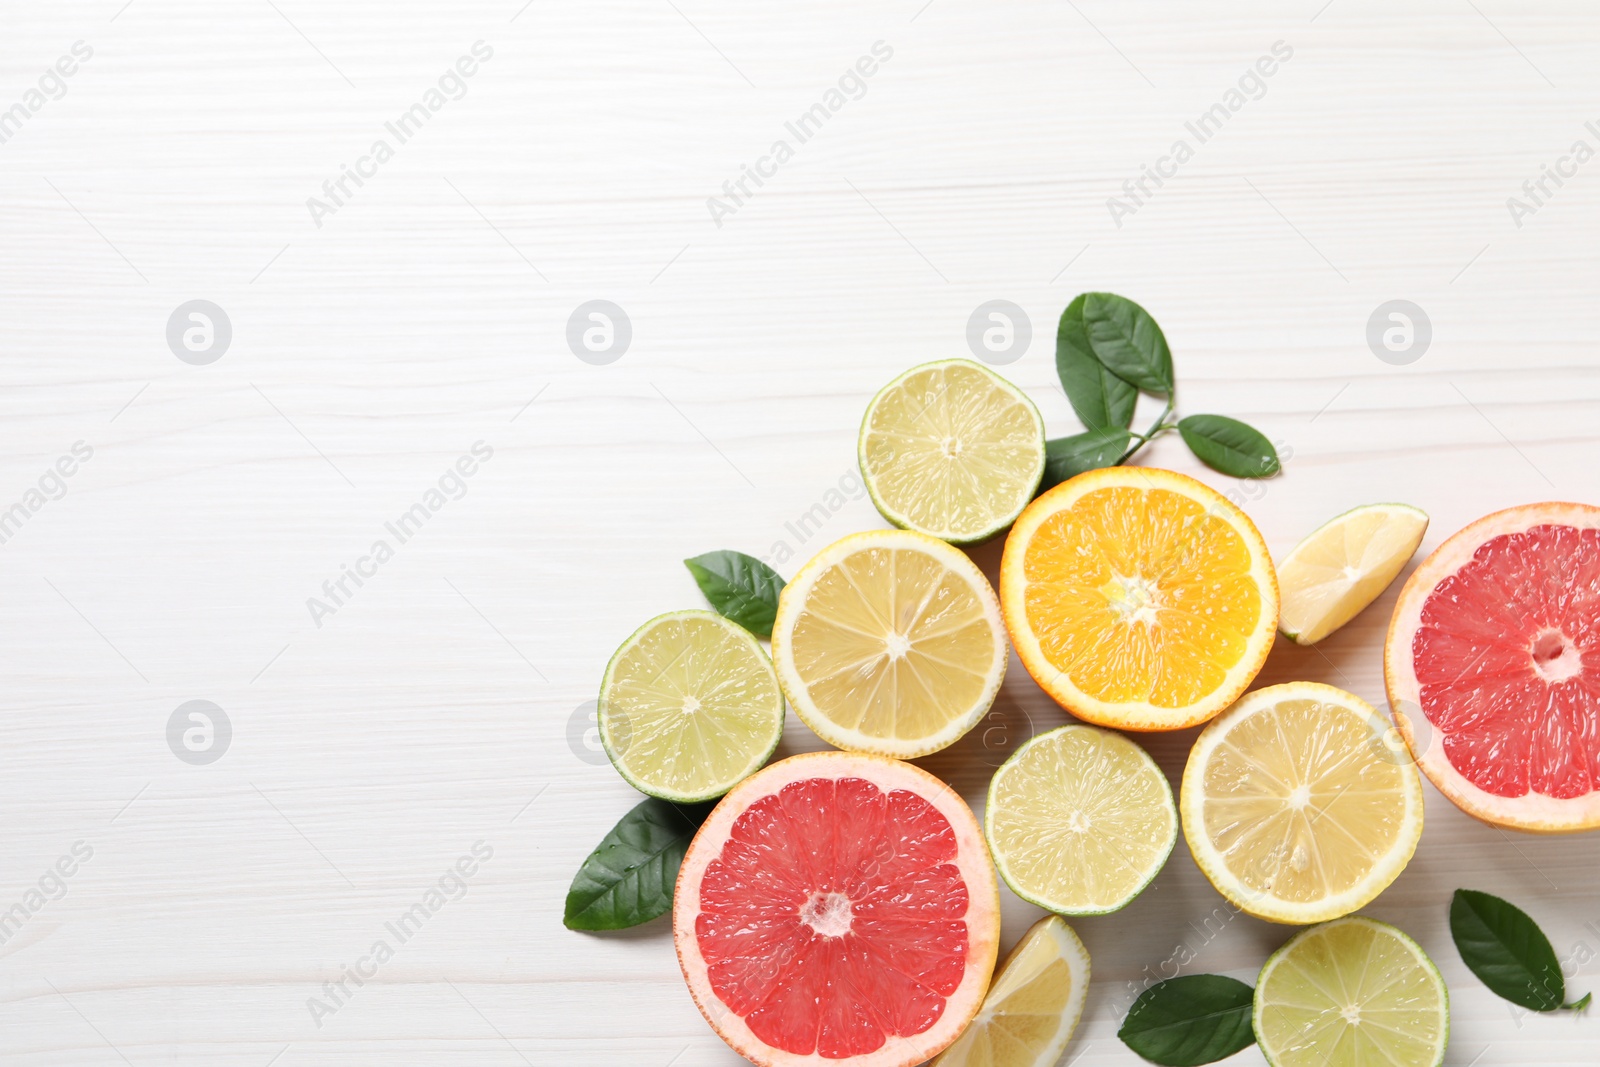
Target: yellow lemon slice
x: 1344, y: 565
x: 1297, y: 805
x: 1032, y: 1007
x: 890, y: 643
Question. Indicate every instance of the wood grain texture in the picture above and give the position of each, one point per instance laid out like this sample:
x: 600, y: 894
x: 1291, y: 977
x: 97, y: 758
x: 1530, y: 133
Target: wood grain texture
x: 435, y: 708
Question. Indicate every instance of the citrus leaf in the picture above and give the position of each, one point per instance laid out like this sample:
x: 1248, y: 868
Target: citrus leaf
x: 1195, y: 1019
x: 1506, y: 950
x: 1229, y: 445
x: 1127, y: 340
x: 1099, y: 397
x: 1068, y: 457
x: 628, y: 878
x: 740, y: 587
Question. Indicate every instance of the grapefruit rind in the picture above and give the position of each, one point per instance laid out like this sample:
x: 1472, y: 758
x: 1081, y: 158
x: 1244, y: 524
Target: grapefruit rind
x: 1142, y: 717
x: 1192, y: 798
x: 792, y: 603
x: 1532, y: 812
x: 759, y: 754
x: 1149, y: 770
x: 897, y: 515
x: 982, y: 918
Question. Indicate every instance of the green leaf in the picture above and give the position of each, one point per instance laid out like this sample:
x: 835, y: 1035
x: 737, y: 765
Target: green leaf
x: 1127, y: 340
x: 1100, y: 398
x: 1229, y: 445
x: 1506, y: 950
x: 1068, y: 457
x: 740, y: 587
x: 628, y: 879
x: 1195, y: 1019
x: 1581, y: 1004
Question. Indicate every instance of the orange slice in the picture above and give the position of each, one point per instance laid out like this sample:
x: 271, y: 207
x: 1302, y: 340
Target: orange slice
x: 1139, y: 598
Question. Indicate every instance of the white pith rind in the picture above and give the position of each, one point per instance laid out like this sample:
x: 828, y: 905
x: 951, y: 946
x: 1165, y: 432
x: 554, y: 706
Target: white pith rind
x: 972, y: 856
x: 898, y: 517
x: 1401, y: 512
x: 991, y: 806
x: 792, y: 601
x: 608, y: 742
x: 1279, y: 956
x: 1140, y: 716
x: 1532, y: 812
x: 1210, y: 860
x: 1071, y: 951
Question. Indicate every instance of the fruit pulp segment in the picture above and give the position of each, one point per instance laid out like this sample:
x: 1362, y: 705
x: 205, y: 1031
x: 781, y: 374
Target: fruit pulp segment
x: 949, y: 449
x: 1331, y: 577
x: 1351, y: 995
x: 892, y: 643
x: 833, y: 920
x: 1299, y: 799
x: 1141, y: 596
x: 1507, y: 659
x: 1022, y: 1013
x: 1080, y: 821
x: 690, y: 702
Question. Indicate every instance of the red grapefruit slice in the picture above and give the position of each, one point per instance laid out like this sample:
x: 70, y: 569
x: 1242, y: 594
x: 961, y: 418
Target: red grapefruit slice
x: 1496, y: 641
x: 838, y: 908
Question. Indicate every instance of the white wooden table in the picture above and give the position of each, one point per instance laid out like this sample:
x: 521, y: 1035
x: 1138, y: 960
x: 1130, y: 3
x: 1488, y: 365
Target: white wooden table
x: 378, y: 338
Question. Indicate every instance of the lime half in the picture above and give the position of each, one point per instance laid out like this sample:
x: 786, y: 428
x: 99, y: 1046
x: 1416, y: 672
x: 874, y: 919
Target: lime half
x: 952, y: 450
x: 689, y: 706
x: 1079, y: 820
x: 1344, y: 565
x: 1349, y: 993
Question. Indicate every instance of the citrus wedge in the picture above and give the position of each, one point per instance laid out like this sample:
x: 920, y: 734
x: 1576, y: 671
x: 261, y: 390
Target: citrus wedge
x: 1493, y: 668
x: 838, y: 909
x: 889, y: 642
x: 1138, y: 598
x: 1033, y: 1005
x: 689, y: 706
x: 1079, y: 820
x: 1295, y: 805
x: 1344, y: 565
x: 1351, y: 993
x: 953, y: 450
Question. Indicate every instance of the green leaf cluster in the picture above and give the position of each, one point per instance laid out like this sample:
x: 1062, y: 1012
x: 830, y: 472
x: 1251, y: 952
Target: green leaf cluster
x: 1108, y: 351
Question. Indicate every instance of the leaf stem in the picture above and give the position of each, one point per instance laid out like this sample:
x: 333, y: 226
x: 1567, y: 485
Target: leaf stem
x: 1158, y: 428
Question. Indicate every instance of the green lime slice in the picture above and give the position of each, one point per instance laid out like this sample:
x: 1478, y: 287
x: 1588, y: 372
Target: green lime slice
x: 952, y: 450
x: 1079, y: 820
x: 689, y: 706
x: 1349, y: 993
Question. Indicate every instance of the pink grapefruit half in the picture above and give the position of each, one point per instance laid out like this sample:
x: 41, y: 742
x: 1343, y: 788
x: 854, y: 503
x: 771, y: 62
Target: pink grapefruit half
x: 1496, y: 641
x: 838, y: 909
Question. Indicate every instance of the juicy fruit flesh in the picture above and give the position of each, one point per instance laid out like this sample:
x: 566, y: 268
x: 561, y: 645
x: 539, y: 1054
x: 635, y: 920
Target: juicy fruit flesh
x: 1081, y: 820
x: 1507, y: 659
x: 892, y: 644
x: 1345, y: 566
x: 1022, y: 1014
x: 951, y: 450
x: 1301, y: 798
x: 832, y: 922
x: 1141, y: 596
x: 691, y: 703
x: 1352, y: 994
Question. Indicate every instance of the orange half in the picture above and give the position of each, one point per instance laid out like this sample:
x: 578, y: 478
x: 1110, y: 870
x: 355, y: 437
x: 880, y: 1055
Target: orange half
x: 1139, y: 598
